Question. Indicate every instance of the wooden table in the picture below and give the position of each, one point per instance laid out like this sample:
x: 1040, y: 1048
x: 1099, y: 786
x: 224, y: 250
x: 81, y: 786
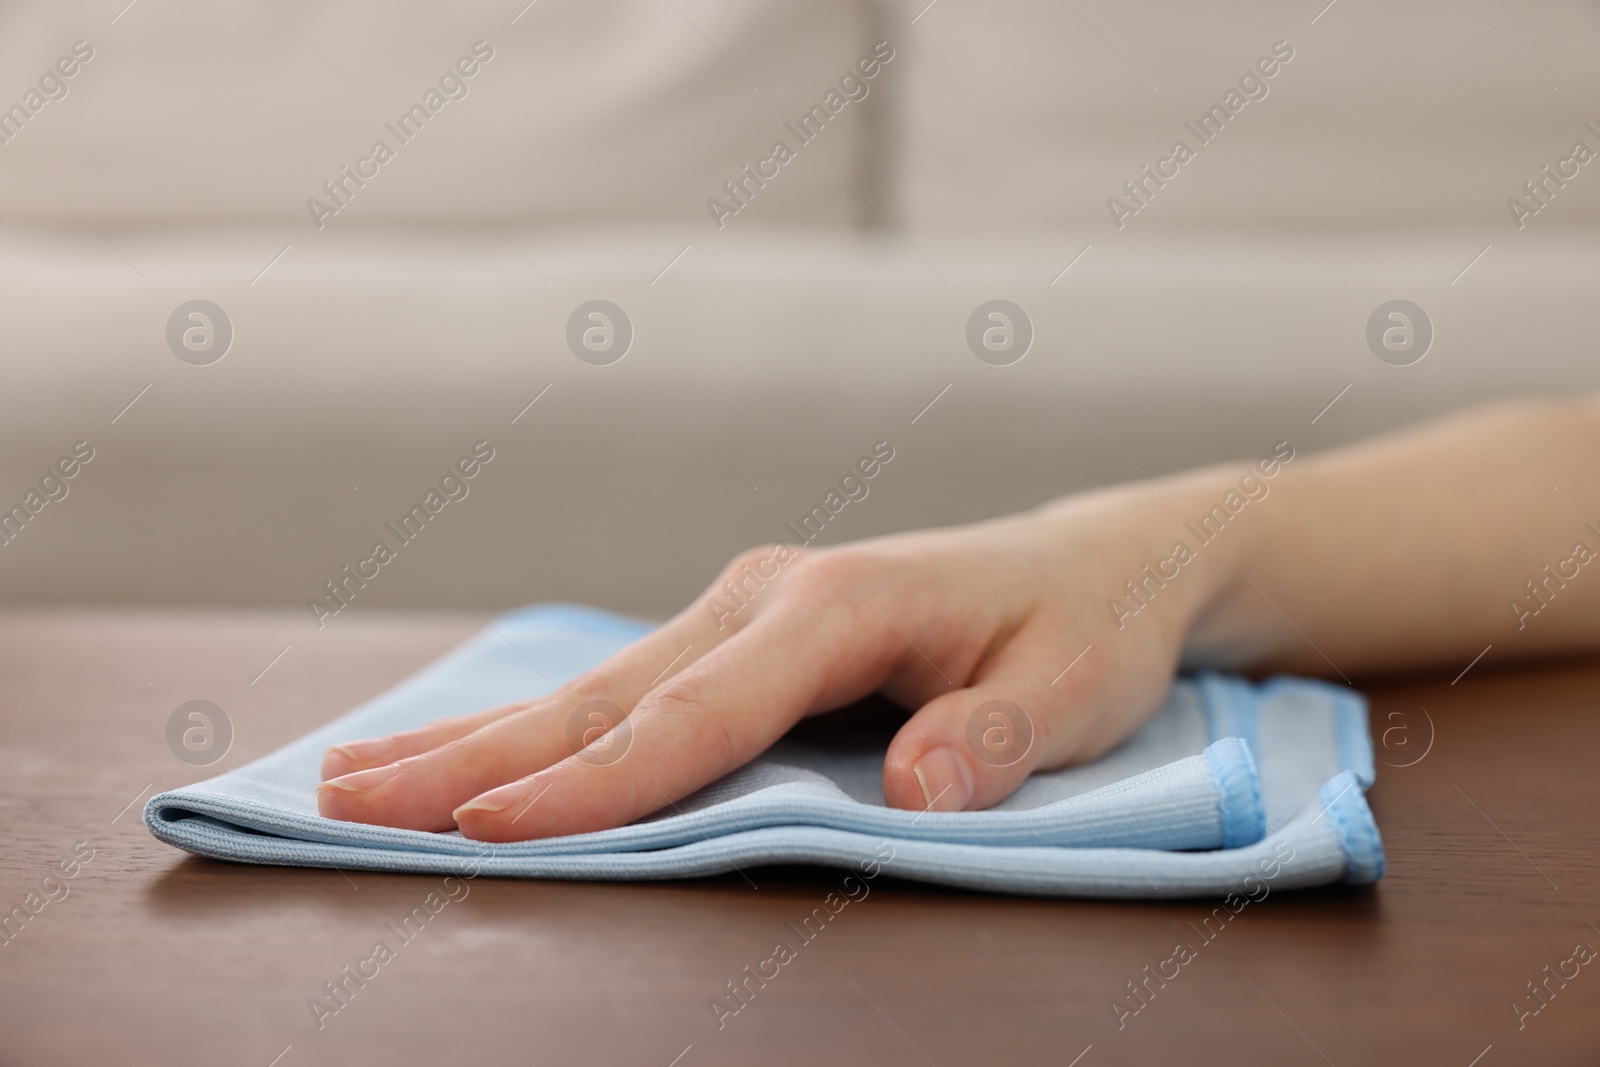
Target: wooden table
x: 155, y: 957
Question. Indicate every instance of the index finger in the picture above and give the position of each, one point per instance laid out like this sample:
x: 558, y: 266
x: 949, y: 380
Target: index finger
x: 434, y: 770
x: 710, y: 719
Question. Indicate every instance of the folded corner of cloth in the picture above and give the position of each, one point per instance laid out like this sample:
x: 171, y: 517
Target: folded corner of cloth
x: 1231, y: 784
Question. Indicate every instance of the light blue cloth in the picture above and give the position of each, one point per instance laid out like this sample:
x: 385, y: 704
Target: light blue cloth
x: 1221, y: 785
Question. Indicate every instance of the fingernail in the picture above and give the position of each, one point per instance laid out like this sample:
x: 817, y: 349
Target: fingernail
x: 946, y: 782
x: 365, y: 751
x: 361, y: 781
x: 497, y: 800
x: 483, y: 804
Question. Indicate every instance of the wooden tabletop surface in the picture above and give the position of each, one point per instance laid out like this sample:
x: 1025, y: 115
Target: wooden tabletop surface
x: 1487, y: 800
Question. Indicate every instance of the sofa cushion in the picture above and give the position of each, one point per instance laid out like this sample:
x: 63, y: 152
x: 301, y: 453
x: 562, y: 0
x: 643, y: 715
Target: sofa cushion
x: 780, y: 356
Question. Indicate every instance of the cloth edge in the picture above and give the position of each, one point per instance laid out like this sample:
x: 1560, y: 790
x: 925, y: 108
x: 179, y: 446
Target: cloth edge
x: 1238, y: 779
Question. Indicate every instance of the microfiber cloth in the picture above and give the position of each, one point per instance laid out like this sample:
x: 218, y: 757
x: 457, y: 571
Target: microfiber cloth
x: 1228, y: 781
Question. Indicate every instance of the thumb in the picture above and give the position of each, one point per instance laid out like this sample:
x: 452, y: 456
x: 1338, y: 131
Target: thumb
x: 973, y: 747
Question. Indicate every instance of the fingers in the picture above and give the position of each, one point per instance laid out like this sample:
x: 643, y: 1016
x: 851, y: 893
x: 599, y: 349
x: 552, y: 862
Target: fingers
x: 709, y: 720
x: 443, y: 765
x: 712, y: 689
x: 352, y: 756
x: 971, y: 748
x: 711, y: 619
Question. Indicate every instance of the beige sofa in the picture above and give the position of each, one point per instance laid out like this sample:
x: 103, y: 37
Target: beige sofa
x: 389, y: 310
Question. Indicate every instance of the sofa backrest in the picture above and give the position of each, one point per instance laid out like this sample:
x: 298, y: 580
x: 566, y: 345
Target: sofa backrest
x: 1008, y: 113
x: 1030, y: 112
x: 193, y: 112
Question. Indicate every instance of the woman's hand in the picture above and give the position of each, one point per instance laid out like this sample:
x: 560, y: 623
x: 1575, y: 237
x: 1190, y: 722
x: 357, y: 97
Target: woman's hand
x: 1044, y: 639
x: 998, y: 635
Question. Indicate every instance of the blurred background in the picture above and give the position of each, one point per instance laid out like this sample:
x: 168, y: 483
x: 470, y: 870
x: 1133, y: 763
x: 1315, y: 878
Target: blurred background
x: 349, y: 354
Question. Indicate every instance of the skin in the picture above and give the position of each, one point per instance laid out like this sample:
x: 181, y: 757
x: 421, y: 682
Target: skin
x: 1404, y: 552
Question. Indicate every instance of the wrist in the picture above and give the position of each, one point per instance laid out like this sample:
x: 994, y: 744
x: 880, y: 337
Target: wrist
x: 1237, y: 516
x: 1174, y: 555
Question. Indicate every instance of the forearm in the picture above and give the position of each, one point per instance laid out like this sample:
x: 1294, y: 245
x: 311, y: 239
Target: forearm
x: 1418, y: 549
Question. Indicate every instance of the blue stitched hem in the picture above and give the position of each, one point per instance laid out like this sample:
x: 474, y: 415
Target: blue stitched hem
x: 1346, y: 807
x: 1233, y: 768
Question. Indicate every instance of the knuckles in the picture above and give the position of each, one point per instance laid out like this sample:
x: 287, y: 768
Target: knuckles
x: 840, y: 574
x: 808, y: 578
x: 750, y: 581
x: 764, y: 561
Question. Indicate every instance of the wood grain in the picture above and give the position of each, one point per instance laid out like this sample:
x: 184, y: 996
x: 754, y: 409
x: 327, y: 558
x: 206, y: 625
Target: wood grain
x: 155, y: 957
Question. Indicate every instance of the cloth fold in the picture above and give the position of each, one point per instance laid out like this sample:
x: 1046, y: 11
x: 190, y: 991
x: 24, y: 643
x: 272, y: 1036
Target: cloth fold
x: 1218, y: 787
